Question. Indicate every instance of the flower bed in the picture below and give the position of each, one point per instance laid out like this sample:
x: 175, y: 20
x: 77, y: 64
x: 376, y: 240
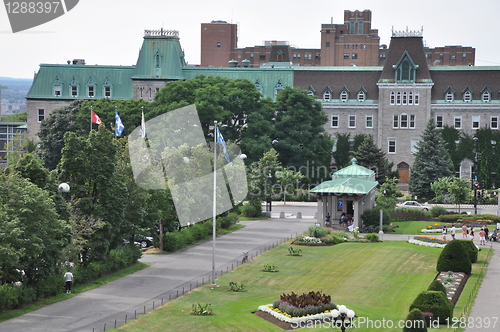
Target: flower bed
x: 428, y: 241
x: 284, y: 317
x: 477, y: 228
x: 454, y: 283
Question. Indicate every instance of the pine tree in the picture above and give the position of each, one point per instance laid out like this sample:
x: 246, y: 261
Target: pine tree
x: 432, y: 162
x: 372, y: 157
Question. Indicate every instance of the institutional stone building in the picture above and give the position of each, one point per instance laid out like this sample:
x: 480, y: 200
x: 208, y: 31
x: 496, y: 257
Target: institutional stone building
x: 392, y: 99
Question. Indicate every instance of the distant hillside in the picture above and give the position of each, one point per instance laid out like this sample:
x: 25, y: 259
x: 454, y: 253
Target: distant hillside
x: 17, y: 88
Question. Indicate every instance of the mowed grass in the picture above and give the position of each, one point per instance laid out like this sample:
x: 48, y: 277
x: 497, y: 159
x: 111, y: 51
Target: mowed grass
x: 377, y: 280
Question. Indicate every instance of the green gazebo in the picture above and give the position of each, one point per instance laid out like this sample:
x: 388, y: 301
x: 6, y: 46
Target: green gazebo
x: 351, y: 190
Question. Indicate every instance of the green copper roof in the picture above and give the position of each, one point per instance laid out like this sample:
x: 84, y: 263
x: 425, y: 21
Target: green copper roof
x: 354, y: 170
x: 116, y: 77
x: 267, y: 80
x: 352, y: 186
x: 160, y: 57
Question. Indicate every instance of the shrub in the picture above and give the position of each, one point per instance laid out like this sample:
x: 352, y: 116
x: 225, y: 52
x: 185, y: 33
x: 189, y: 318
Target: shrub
x: 409, y: 214
x: 251, y: 211
x: 198, y: 232
x: 471, y: 249
x: 170, y: 242
x: 435, y: 302
x: 454, y: 257
x: 339, y: 237
x: 317, y: 231
x: 436, y: 211
x: 417, y: 322
x: 228, y: 220
x: 371, y: 217
x: 437, y: 286
x: 187, y: 235
x: 373, y: 237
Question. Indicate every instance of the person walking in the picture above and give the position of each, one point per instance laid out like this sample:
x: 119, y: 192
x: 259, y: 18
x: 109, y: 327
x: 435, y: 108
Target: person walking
x: 453, y: 231
x: 70, y: 279
x: 464, y: 231
x: 471, y: 234
x: 445, y: 230
x: 328, y: 219
x: 487, y: 235
x: 482, y: 235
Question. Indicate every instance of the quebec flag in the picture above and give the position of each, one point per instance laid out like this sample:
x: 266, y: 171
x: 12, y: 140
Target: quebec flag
x: 221, y: 141
x: 118, y: 125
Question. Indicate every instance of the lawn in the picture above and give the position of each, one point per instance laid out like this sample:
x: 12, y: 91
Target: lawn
x: 377, y: 280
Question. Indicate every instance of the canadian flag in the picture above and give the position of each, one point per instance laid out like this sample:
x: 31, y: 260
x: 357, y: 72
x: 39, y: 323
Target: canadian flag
x: 95, y: 118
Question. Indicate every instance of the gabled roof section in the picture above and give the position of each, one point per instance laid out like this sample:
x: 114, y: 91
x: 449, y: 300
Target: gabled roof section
x: 399, y: 46
x: 160, y: 57
x: 354, y: 171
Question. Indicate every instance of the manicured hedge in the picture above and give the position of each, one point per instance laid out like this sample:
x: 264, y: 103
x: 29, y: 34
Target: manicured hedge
x: 435, y: 302
x: 415, y: 322
x: 454, y: 257
x: 436, y: 285
x: 471, y: 249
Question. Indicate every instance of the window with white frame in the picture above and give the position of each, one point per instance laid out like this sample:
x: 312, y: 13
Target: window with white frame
x: 327, y: 96
x: 403, y: 123
x: 467, y: 96
x: 391, y: 145
x: 485, y: 97
x: 412, y: 121
x: 395, y: 121
x: 476, y: 121
x: 417, y: 98
x: 369, y: 121
x: 405, y: 98
x: 73, y: 90
x: 361, y: 96
x: 57, y: 90
x: 91, y: 91
x: 410, y: 98
x: 494, y: 122
x: 335, y: 120
x: 398, y: 98
x: 393, y: 98
x: 439, y: 121
x: 41, y: 114
x: 458, y: 121
x: 352, y: 121
x: 107, y: 91
x: 413, y: 147
x: 449, y: 96
x: 344, y: 96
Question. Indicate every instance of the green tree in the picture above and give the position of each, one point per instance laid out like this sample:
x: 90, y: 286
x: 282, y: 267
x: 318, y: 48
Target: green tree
x: 52, y: 130
x: 302, y: 139
x: 388, y: 194
x: 287, y: 179
x: 262, y: 177
x: 98, y: 193
x: 342, y: 148
x: 31, y: 233
x: 432, y: 162
x: 372, y: 157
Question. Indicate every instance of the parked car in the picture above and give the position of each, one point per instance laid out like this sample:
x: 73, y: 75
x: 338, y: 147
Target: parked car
x: 145, y: 241
x: 413, y: 205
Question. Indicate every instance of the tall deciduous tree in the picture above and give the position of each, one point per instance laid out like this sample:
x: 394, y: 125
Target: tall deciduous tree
x: 432, y: 162
x: 31, y: 234
x: 342, y: 147
x: 302, y: 140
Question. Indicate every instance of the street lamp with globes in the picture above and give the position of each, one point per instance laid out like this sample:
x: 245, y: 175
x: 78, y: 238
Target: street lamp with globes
x: 342, y: 317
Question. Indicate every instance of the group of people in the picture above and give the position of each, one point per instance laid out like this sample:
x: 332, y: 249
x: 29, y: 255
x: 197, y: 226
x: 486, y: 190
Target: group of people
x: 468, y: 233
x: 344, y: 221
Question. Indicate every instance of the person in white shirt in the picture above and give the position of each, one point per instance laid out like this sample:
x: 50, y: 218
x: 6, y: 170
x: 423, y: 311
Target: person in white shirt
x: 69, y: 281
x: 453, y: 231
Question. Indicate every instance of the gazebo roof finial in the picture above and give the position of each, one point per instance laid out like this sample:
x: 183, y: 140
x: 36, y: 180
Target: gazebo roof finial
x: 353, y: 161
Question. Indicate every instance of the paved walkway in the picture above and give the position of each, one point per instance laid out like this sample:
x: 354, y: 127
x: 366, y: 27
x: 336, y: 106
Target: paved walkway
x: 171, y: 275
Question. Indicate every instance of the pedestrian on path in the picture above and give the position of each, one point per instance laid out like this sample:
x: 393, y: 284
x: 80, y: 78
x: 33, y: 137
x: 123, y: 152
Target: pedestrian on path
x: 453, y: 231
x: 464, y: 231
x: 445, y: 230
x: 70, y: 279
x: 482, y: 235
x: 471, y: 234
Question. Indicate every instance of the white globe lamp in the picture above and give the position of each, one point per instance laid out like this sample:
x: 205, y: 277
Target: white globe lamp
x: 63, y: 188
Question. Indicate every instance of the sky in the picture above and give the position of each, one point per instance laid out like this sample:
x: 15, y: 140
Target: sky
x: 109, y: 32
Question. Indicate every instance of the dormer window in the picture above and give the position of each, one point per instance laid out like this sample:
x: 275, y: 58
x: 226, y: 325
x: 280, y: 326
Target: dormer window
x: 258, y: 86
x: 57, y: 87
x: 486, y: 95
x: 278, y: 87
x: 467, y: 95
x: 361, y: 96
x: 344, y: 94
x: 157, y: 60
x: 107, y: 88
x: 74, y: 90
x: 405, y: 69
x: 327, y: 94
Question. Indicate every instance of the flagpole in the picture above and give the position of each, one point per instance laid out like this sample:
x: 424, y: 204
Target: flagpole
x: 214, y: 228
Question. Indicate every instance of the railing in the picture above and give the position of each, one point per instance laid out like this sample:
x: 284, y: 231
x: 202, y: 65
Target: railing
x: 161, y: 33
x: 475, y: 289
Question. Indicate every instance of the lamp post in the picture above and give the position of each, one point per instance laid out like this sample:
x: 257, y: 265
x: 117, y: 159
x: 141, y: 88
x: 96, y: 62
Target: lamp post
x: 342, y: 317
x: 474, y: 180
